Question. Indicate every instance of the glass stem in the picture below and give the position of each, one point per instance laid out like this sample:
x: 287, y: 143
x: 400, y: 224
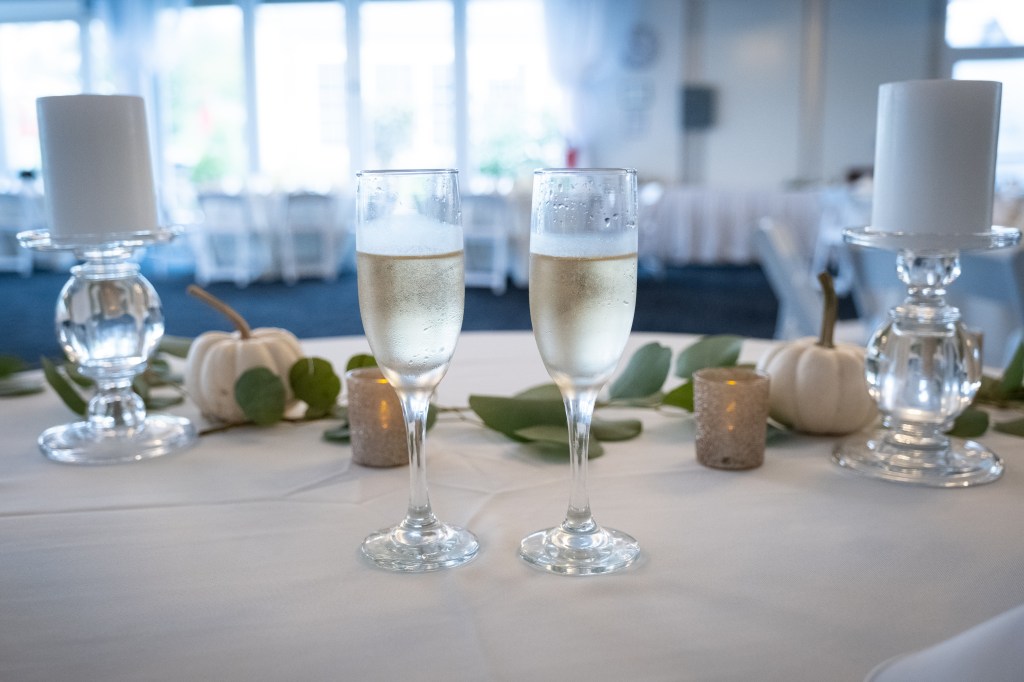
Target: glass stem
x: 116, y: 406
x: 414, y: 408
x: 579, y: 408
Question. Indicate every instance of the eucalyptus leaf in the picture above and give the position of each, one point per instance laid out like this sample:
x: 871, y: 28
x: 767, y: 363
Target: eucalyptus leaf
x: 990, y: 390
x: 175, y: 345
x: 545, y: 433
x: 314, y: 382
x: 970, y: 424
x: 140, y: 386
x: 554, y: 441
x: 652, y: 400
x: 75, y: 402
x: 161, y: 402
x: 680, y: 396
x: 9, y: 364
x: 19, y: 384
x: 340, y: 433
x: 775, y: 434
x: 645, y: 373
x: 261, y: 395
x: 542, y: 392
x: 509, y: 415
x: 722, y: 350
x: 359, y: 361
x: 1014, y: 427
x: 1013, y: 375
x: 615, y: 429
x: 159, y: 373
x: 75, y: 374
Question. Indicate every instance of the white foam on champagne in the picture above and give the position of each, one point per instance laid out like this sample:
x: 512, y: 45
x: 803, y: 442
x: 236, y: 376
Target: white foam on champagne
x: 594, y: 245
x: 409, y: 235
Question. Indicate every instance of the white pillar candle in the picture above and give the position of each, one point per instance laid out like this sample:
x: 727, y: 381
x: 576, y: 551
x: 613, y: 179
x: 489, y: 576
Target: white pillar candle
x: 97, y: 172
x: 935, y: 156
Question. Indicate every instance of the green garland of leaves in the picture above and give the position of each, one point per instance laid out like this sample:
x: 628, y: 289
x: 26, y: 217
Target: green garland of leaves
x: 13, y: 380
x: 1005, y: 392
x: 535, y: 415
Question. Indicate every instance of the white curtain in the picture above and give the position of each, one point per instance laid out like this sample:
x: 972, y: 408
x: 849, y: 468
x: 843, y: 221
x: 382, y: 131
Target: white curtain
x: 584, y: 38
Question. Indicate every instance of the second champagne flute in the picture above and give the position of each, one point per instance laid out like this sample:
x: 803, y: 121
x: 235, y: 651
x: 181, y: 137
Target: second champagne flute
x: 583, y: 264
x: 410, y: 265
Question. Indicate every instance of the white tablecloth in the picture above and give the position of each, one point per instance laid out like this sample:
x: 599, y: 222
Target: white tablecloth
x: 238, y: 559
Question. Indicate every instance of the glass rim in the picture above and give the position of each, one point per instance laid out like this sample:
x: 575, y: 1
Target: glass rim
x: 570, y: 171
x: 372, y: 375
x: 408, y: 171
x: 730, y: 375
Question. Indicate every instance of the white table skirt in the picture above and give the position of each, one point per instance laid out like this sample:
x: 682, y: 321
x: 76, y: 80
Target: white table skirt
x: 706, y: 225
x: 238, y: 559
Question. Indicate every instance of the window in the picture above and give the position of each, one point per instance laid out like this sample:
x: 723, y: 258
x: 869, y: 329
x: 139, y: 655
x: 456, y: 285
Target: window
x: 984, y: 23
x: 204, y: 82
x: 1010, y: 72
x: 408, y: 98
x: 300, y: 90
x: 512, y: 98
x: 297, y: 93
x: 36, y: 59
x: 985, y: 41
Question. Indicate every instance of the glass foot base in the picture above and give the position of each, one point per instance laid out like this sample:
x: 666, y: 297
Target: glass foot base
x: 961, y: 464
x: 416, y: 550
x: 82, y: 443
x: 562, y: 551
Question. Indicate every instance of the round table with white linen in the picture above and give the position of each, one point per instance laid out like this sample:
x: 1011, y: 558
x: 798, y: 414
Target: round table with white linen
x: 238, y: 559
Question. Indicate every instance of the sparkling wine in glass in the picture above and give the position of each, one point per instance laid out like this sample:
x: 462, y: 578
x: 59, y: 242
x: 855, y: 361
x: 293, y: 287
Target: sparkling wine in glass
x: 583, y: 267
x: 410, y: 265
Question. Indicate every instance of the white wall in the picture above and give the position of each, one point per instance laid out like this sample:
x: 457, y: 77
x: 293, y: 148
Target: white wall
x: 867, y: 43
x: 639, y: 127
x: 752, y: 57
x: 754, y: 52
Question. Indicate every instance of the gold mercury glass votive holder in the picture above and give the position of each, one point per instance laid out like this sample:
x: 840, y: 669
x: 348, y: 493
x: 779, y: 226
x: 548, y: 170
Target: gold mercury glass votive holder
x: 731, y: 408
x: 376, y: 425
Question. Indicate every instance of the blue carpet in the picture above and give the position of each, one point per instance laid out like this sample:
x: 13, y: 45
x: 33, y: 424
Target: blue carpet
x: 692, y: 299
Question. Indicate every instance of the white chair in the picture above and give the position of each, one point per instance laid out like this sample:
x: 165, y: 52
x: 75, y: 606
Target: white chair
x: 989, y: 293
x: 842, y: 207
x: 311, y: 237
x: 13, y: 256
x: 486, y: 223
x: 787, y: 266
x: 225, y: 243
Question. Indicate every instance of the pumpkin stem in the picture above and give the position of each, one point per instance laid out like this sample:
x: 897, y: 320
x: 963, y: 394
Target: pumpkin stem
x: 830, y: 313
x: 244, y: 330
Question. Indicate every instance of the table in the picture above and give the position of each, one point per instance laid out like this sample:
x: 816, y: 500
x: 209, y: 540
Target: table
x: 238, y: 559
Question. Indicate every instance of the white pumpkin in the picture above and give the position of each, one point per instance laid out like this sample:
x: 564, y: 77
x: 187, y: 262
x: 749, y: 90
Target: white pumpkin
x: 818, y: 390
x: 216, y: 359
x: 818, y: 386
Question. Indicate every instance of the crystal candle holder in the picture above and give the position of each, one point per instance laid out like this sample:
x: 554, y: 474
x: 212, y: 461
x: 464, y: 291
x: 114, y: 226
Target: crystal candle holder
x: 109, y: 322
x: 923, y: 368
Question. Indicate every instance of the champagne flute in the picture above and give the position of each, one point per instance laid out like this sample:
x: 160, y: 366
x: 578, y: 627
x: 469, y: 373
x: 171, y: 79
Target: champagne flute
x: 410, y: 266
x: 583, y: 265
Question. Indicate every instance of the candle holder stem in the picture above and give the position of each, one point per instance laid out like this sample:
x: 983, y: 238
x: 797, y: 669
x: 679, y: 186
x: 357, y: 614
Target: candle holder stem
x: 109, y: 322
